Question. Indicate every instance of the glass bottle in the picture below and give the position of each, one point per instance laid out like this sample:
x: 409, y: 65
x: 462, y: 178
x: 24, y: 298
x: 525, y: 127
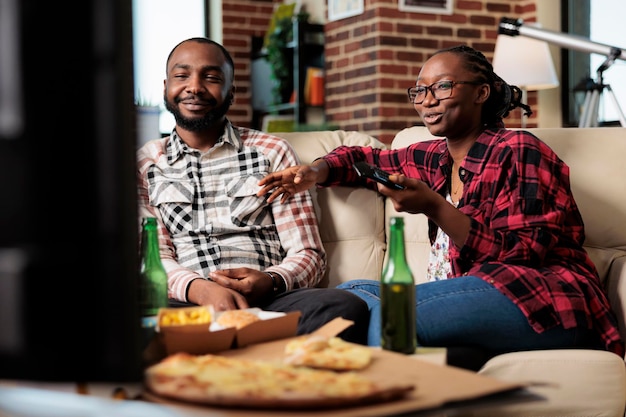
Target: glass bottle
x: 397, y: 296
x: 153, y: 278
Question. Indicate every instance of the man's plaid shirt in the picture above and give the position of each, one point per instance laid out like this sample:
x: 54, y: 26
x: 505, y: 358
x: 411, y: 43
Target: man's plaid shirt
x: 210, y: 217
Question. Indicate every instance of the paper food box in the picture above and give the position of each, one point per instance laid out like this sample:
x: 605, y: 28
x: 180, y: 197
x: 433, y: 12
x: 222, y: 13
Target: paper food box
x: 195, y: 330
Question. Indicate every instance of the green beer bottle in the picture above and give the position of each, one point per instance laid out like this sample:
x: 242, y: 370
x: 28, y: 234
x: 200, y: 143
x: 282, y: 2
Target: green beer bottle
x: 152, y: 278
x: 397, y: 296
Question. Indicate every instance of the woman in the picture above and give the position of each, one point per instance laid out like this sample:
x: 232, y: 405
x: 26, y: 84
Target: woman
x: 507, y: 271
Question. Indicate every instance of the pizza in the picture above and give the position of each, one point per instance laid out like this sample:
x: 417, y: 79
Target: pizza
x: 244, y: 383
x: 236, y: 318
x: 327, y: 353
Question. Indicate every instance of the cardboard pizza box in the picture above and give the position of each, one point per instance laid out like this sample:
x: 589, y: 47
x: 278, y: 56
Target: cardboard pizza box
x: 438, y: 389
x: 204, y: 338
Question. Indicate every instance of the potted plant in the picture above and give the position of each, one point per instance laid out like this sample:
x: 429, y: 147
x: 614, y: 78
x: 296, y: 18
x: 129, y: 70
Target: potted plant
x: 280, y: 58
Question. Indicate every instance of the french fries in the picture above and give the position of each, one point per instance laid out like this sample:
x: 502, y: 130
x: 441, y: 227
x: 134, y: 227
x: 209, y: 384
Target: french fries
x: 185, y: 316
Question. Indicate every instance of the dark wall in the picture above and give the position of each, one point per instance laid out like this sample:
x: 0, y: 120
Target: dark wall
x: 68, y: 206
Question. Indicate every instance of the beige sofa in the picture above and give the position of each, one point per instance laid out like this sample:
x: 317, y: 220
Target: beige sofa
x: 578, y: 383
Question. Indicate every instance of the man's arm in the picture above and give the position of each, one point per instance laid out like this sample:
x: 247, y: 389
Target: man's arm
x: 179, y: 278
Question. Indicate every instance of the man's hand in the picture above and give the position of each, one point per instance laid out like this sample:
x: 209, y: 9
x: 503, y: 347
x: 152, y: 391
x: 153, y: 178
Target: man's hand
x: 205, y: 292
x: 254, y: 285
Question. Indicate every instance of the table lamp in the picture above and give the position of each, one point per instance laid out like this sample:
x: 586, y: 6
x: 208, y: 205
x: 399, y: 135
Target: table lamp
x: 526, y: 63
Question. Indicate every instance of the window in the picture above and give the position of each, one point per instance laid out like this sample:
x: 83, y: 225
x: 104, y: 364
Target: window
x: 607, y: 27
x: 158, y: 25
x: 600, y: 21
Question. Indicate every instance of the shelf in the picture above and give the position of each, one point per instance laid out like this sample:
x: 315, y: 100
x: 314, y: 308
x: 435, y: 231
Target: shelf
x: 307, y: 49
x: 281, y: 107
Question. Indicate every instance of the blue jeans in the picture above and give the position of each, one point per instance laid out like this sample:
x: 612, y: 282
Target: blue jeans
x: 469, y: 312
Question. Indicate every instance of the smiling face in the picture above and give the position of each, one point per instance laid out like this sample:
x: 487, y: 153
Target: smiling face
x: 198, y: 89
x: 459, y: 115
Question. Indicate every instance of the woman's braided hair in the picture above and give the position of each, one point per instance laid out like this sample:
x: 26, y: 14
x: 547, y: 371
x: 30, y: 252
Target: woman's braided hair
x: 503, y: 97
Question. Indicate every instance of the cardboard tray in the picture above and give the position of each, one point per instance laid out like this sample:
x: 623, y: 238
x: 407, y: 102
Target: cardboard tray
x: 198, y: 339
x: 436, y: 386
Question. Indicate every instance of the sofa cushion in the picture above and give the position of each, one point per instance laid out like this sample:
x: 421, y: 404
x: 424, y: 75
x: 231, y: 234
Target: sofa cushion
x: 352, y: 223
x: 573, y: 382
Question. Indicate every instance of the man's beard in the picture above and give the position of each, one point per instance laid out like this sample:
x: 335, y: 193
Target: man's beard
x: 211, y: 119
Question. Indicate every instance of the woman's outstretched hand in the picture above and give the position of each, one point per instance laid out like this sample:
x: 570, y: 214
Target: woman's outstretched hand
x: 288, y: 182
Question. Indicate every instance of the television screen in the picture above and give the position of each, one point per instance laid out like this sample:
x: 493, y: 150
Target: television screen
x: 68, y: 216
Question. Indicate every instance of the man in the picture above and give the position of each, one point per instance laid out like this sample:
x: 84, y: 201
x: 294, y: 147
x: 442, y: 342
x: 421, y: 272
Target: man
x: 221, y: 244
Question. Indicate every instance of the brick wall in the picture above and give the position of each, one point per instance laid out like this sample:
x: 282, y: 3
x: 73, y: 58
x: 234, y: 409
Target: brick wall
x: 241, y: 20
x: 371, y: 59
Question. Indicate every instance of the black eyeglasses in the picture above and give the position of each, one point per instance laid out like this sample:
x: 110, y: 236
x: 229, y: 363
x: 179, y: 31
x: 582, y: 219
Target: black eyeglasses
x: 440, y: 90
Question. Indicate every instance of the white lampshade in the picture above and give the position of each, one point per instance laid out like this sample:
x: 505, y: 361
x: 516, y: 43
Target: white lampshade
x: 524, y: 62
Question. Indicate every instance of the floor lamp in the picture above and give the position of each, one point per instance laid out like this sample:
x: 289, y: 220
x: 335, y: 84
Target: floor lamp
x: 526, y: 63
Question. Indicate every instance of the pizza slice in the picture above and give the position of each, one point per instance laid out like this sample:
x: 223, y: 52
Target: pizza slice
x: 327, y: 353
